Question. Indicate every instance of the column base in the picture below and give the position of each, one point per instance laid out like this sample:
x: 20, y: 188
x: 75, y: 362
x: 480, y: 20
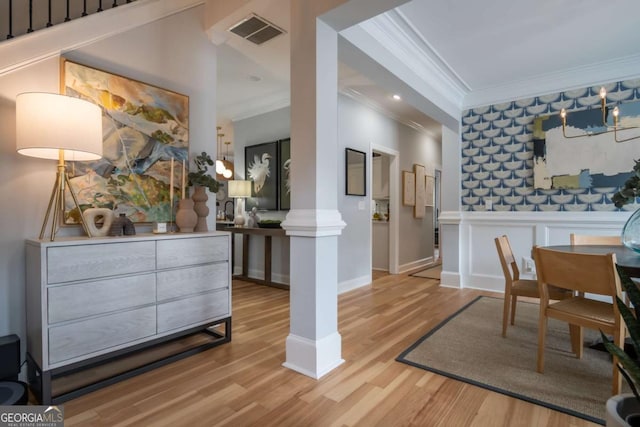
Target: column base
x: 314, y: 358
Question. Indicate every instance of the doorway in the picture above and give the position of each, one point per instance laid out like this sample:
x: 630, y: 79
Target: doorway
x: 385, y: 195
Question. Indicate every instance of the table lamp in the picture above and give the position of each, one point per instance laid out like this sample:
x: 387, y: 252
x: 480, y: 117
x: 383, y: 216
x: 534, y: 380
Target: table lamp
x: 52, y: 126
x: 239, y: 190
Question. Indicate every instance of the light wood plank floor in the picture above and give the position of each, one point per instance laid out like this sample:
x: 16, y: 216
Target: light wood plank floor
x: 243, y: 383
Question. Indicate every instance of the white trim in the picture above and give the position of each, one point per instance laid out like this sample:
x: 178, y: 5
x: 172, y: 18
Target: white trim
x: 313, y: 223
x: 313, y: 358
x: 450, y: 218
x: 393, y: 31
x: 575, y: 78
x: 350, y: 285
x: 394, y: 205
x: 597, y: 218
x: 450, y: 279
x: 414, y: 265
x: 50, y: 42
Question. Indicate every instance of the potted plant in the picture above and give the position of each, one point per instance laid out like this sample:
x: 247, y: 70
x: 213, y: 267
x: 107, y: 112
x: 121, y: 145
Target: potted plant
x: 628, y: 194
x: 201, y: 180
x: 624, y: 409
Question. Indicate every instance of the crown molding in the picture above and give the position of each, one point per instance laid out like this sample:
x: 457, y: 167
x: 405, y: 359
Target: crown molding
x: 46, y: 43
x: 574, y: 78
x: 261, y: 105
x: 395, y: 33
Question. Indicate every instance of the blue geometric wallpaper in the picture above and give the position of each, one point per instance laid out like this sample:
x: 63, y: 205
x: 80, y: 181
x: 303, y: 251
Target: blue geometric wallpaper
x: 497, y: 153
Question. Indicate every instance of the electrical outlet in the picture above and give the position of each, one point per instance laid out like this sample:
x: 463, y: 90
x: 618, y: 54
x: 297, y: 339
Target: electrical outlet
x: 488, y: 204
x: 528, y: 266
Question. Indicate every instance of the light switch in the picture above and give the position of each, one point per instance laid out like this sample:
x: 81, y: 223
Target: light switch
x: 361, y: 205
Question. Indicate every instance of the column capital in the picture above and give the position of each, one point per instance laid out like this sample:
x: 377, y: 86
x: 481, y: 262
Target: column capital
x: 313, y: 222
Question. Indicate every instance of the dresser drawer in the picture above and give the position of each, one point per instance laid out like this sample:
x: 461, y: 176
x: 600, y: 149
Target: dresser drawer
x: 185, y: 252
x: 92, y: 335
x: 71, y: 263
x: 69, y: 302
x: 191, y: 280
x: 193, y: 310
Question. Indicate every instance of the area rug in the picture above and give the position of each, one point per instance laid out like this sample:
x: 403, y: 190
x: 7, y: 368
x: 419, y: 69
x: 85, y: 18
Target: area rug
x: 469, y: 347
x: 432, y: 272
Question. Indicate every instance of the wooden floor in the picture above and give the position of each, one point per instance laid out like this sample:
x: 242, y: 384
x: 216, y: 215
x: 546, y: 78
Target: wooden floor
x: 243, y: 383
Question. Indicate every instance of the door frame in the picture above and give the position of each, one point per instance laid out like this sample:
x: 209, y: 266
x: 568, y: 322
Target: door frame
x: 394, y: 203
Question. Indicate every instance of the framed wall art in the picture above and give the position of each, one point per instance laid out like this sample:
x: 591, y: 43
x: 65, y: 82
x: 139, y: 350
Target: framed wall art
x: 418, y: 207
x: 355, y: 172
x: 284, y: 165
x: 261, y: 168
x: 429, y: 190
x: 144, y: 127
x: 408, y: 188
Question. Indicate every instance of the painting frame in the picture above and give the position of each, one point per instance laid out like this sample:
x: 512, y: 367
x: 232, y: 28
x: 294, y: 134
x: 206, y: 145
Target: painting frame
x: 144, y: 127
x: 429, y: 190
x: 355, y: 170
x: 418, y: 207
x: 284, y: 169
x: 408, y: 188
x: 264, y: 193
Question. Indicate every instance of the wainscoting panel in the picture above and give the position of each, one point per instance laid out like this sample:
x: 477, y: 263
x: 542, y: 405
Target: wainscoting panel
x: 478, y: 229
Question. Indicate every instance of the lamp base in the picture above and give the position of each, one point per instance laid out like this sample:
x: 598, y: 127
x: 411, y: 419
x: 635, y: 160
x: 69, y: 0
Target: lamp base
x: 56, y: 202
x: 238, y: 221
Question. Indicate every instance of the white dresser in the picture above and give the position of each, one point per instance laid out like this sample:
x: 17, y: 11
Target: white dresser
x: 88, y: 298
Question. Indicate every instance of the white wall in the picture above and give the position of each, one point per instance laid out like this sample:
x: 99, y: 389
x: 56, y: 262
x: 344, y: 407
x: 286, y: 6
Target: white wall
x: 173, y: 53
x: 360, y: 127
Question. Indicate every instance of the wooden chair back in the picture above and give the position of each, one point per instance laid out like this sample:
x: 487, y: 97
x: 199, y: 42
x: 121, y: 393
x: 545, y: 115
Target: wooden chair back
x: 590, y: 273
x: 507, y: 260
x: 584, y: 239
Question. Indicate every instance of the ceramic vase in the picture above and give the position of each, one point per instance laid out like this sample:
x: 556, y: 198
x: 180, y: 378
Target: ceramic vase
x: 200, y: 207
x: 94, y: 216
x: 186, y: 217
x: 631, y: 232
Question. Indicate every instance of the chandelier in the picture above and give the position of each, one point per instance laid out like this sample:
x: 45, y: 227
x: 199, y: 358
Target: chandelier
x: 607, y: 129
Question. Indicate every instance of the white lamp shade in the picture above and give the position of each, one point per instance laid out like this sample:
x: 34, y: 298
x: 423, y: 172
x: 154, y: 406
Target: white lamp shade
x: 239, y: 188
x: 48, y: 122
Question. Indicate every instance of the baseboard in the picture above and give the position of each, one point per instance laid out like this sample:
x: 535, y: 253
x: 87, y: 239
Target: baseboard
x: 450, y: 279
x: 349, y: 285
x: 415, y: 265
x: 259, y: 274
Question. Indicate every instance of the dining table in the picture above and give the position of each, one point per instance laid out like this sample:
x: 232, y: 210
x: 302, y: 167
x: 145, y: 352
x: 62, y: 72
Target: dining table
x: 626, y: 258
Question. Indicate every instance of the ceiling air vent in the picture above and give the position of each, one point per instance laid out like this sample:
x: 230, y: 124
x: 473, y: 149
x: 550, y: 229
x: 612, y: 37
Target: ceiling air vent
x: 256, y: 29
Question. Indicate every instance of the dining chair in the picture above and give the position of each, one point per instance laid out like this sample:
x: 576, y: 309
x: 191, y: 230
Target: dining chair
x: 585, y: 239
x: 586, y: 273
x: 514, y: 286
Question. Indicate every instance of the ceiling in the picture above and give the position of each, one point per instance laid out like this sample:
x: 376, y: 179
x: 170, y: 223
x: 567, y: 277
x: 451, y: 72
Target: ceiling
x: 490, y: 51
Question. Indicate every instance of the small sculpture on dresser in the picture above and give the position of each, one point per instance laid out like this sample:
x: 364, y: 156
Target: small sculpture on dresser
x: 122, y: 226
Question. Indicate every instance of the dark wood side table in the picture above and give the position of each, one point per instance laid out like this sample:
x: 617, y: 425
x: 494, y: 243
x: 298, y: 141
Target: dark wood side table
x: 267, y: 233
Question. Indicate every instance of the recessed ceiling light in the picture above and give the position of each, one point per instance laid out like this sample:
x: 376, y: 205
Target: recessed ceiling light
x: 254, y: 78
x: 396, y: 97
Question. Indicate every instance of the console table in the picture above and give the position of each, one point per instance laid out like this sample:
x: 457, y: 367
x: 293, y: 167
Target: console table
x: 267, y: 233
x: 92, y: 300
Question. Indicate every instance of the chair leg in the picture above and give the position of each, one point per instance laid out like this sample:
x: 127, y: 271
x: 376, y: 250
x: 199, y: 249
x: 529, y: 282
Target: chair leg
x: 514, y: 301
x: 542, y: 334
x: 505, y: 314
x: 577, y: 337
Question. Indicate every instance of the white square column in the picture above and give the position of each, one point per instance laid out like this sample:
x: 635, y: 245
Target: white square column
x: 314, y: 345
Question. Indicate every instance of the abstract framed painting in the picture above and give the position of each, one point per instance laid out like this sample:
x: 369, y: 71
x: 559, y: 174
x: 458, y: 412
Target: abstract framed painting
x: 144, y: 127
x: 261, y: 168
x: 284, y: 168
